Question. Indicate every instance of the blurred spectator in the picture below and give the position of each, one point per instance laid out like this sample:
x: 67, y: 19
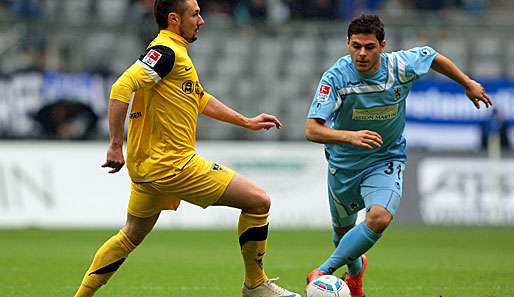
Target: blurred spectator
x: 141, y: 9
x: 66, y: 119
x: 317, y: 9
x: 278, y: 11
x: 477, y: 7
x: 216, y: 8
x: 27, y: 9
x: 141, y: 12
x: 348, y: 9
x: 34, y: 42
x: 494, y: 126
x: 250, y: 11
x: 429, y: 5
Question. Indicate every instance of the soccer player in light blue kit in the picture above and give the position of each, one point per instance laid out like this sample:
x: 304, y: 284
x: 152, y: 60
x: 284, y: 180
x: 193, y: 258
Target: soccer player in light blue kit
x: 358, y: 112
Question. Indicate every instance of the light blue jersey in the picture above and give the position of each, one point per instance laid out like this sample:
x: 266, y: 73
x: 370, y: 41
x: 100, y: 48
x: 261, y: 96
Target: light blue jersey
x: 348, y: 100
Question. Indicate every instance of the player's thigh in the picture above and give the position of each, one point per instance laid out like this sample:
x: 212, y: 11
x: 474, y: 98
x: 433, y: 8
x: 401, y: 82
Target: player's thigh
x: 343, y: 197
x: 382, y: 185
x: 203, y: 183
x: 243, y: 194
x: 148, y: 199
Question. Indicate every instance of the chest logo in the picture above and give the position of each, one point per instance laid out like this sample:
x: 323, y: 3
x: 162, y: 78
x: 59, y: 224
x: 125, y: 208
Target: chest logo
x: 377, y: 113
x: 188, y: 68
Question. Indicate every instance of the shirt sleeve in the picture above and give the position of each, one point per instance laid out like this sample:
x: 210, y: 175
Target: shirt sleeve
x: 149, y: 69
x: 204, y: 99
x: 133, y: 79
x: 415, y: 63
x: 325, y: 100
x: 158, y: 61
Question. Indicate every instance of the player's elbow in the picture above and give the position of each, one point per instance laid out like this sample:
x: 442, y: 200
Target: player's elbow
x: 310, y: 132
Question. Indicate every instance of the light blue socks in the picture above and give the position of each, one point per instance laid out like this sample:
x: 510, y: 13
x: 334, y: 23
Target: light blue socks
x: 349, y: 248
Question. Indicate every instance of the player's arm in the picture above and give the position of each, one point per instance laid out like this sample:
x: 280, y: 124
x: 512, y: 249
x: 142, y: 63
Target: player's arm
x: 215, y: 109
x: 149, y: 69
x: 317, y: 131
x: 473, y: 89
x: 117, y: 114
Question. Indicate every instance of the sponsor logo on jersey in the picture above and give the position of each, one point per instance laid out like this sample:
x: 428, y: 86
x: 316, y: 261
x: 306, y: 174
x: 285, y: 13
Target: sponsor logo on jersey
x: 378, y: 113
x: 216, y: 167
x: 135, y: 115
x: 152, y: 57
x: 324, y: 92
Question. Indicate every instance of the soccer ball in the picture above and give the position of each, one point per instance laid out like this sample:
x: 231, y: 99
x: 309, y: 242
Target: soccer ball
x: 327, y: 286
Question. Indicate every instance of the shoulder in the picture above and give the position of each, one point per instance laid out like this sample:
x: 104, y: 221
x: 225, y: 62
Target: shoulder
x: 159, y: 58
x: 415, y: 52
x: 340, y: 71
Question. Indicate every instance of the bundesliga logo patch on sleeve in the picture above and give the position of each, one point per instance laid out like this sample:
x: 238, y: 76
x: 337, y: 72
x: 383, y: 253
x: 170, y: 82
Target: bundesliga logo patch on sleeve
x: 324, y: 92
x: 151, y: 58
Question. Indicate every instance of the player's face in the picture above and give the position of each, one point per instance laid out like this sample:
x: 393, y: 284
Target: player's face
x: 365, y: 51
x: 190, y: 21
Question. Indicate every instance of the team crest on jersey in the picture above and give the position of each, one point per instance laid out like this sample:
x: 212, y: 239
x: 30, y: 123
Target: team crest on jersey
x: 354, y: 205
x: 188, y: 87
x: 323, y: 93
x: 152, y: 57
x: 397, y: 93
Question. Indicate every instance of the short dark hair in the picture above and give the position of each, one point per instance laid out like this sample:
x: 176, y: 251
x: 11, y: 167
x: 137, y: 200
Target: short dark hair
x: 162, y: 8
x: 367, y: 24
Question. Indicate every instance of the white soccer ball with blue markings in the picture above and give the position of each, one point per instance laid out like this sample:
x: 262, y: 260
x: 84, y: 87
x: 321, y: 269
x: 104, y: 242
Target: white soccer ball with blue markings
x: 327, y: 286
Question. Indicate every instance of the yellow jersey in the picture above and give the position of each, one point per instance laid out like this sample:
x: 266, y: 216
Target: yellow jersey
x: 163, y: 118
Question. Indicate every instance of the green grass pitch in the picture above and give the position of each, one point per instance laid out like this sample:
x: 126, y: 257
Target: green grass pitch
x: 407, y: 261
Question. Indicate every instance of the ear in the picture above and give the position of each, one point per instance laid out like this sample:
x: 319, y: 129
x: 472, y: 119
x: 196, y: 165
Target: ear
x: 383, y: 45
x: 173, y: 19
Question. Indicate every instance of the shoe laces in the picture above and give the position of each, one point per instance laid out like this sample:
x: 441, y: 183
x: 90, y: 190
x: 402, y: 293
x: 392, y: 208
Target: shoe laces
x: 270, y: 284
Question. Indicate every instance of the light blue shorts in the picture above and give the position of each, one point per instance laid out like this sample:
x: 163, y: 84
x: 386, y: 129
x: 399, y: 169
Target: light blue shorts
x: 352, y: 190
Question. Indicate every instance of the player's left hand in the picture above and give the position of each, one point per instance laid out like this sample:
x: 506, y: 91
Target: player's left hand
x: 263, y: 121
x: 476, y: 93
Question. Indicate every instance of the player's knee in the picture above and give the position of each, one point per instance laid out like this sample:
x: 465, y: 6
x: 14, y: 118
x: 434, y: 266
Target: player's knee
x: 378, y: 218
x: 135, y: 235
x: 261, y: 203
x: 342, y: 230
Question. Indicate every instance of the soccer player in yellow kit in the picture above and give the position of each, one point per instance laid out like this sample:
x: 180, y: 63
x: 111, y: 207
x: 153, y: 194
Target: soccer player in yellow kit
x: 161, y: 156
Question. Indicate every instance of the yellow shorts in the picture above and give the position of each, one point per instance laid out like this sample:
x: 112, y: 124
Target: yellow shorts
x: 201, y: 183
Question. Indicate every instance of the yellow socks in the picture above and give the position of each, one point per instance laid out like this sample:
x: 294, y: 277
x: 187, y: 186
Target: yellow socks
x: 108, y: 259
x: 252, y: 231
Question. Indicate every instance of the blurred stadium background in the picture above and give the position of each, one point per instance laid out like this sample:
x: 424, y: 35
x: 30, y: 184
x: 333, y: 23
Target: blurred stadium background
x: 59, y: 58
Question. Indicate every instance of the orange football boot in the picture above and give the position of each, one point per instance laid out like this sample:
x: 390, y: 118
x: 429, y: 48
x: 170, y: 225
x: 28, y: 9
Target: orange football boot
x: 355, y: 282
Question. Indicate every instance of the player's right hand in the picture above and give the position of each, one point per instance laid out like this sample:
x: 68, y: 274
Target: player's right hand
x: 115, y: 159
x: 365, y: 139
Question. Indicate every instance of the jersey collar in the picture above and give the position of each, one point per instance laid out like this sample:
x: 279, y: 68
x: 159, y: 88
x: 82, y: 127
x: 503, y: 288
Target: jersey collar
x: 181, y: 40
